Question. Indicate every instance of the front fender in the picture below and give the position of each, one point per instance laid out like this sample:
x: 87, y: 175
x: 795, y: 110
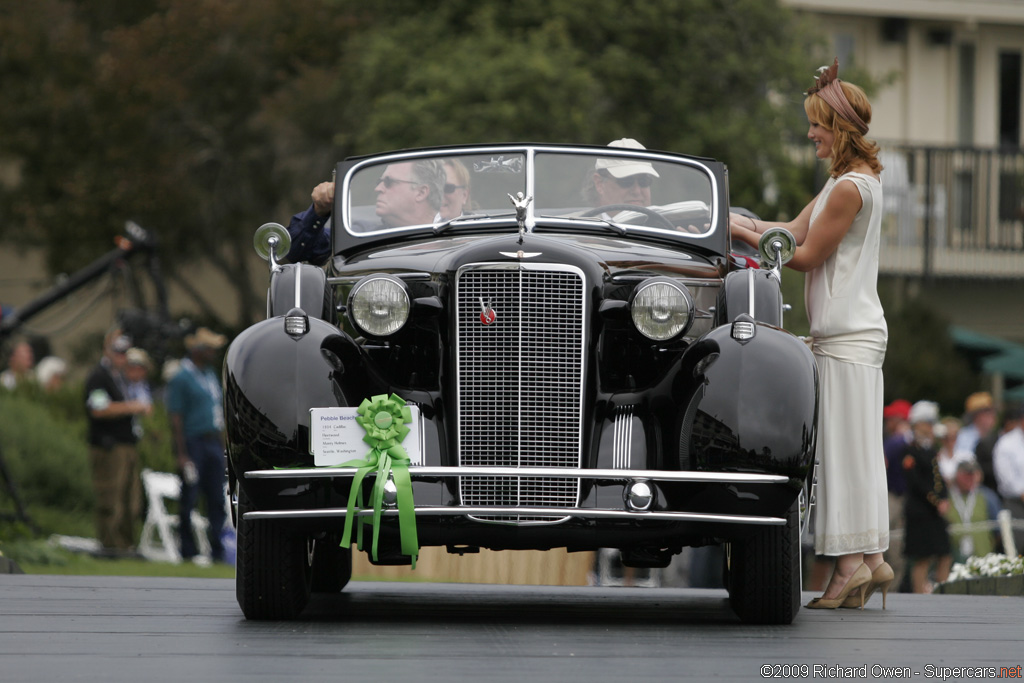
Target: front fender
x: 271, y: 380
x: 300, y: 285
x: 757, y: 410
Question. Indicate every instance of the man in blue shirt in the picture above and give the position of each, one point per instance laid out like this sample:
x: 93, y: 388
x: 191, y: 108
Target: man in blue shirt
x: 409, y: 193
x: 197, y: 423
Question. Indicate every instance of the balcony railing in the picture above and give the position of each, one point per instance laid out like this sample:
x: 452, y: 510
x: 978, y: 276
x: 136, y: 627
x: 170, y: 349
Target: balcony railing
x: 952, y: 212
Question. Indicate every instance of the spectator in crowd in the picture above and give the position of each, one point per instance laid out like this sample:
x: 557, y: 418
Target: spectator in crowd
x: 1008, y: 460
x: 983, y: 451
x: 136, y: 375
x: 970, y: 505
x: 948, y: 457
x: 197, y: 423
x: 979, y: 421
x: 897, y: 433
x: 112, y: 454
x: 19, y: 366
x: 50, y: 373
x: 926, y: 540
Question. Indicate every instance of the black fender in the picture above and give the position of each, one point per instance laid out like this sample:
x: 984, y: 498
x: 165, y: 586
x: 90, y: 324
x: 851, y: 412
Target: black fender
x: 300, y: 285
x: 271, y: 380
x: 752, y: 292
x: 757, y: 409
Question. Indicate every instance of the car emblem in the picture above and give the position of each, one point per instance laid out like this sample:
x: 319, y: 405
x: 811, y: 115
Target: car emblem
x: 487, y: 314
x: 520, y: 254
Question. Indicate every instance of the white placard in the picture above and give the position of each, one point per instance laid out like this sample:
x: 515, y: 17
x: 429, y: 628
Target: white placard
x: 335, y: 436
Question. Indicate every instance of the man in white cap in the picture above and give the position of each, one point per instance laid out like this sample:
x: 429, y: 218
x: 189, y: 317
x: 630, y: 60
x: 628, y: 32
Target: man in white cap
x: 197, y: 422
x: 622, y: 181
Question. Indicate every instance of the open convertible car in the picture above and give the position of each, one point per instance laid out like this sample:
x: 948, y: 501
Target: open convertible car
x: 538, y: 371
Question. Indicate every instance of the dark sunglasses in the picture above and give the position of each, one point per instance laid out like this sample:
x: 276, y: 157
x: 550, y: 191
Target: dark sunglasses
x: 641, y: 179
x: 451, y: 187
x: 389, y: 182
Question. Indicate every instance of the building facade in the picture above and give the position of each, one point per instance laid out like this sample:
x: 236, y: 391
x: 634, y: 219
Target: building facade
x: 949, y: 115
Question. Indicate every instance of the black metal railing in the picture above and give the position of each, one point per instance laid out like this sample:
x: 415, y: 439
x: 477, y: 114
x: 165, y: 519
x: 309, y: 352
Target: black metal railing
x: 952, y: 211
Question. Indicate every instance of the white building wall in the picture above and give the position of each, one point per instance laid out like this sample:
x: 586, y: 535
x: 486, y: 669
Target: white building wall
x: 920, y: 98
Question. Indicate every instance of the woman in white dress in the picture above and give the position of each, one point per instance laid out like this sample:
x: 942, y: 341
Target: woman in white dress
x: 838, y: 237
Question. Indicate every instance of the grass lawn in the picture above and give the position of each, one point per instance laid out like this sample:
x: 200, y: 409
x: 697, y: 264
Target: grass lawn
x: 42, y: 557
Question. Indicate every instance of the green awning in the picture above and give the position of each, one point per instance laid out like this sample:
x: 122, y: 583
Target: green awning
x: 1008, y: 364
x: 983, y: 343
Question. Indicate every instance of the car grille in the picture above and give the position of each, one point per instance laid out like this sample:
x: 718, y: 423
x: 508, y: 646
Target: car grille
x: 520, y: 383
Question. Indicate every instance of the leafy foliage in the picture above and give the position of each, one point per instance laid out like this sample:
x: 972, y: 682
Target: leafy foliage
x: 201, y: 119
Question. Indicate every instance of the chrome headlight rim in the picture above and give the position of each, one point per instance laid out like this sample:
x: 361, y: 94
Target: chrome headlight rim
x: 641, y: 310
x: 400, y: 307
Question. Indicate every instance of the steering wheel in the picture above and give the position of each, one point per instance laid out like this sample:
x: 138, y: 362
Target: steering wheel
x: 615, y: 208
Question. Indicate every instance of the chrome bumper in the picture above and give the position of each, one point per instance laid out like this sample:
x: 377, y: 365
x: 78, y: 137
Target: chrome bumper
x: 604, y: 475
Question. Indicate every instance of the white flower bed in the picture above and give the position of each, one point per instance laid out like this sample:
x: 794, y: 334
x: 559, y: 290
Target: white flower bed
x: 993, y: 564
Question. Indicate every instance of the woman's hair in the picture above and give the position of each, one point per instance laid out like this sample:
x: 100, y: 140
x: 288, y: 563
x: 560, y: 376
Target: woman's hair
x: 455, y: 167
x: 849, y: 145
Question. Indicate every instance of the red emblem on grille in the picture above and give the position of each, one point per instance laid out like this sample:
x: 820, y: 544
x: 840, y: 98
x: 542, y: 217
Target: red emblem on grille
x: 487, y: 314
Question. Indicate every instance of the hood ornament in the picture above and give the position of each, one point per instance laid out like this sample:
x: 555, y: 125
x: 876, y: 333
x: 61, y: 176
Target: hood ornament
x: 521, y: 201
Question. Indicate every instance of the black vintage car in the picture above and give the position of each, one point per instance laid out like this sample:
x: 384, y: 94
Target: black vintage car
x: 569, y: 356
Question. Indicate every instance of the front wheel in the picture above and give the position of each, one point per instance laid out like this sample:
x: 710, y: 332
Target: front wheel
x: 273, y: 567
x: 763, y: 574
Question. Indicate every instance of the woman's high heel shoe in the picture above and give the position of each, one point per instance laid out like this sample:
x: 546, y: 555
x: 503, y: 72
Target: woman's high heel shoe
x: 854, y: 589
x: 881, y: 578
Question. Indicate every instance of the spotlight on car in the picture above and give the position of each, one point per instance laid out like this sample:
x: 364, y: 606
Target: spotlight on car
x: 661, y: 309
x: 639, y: 495
x: 379, y: 305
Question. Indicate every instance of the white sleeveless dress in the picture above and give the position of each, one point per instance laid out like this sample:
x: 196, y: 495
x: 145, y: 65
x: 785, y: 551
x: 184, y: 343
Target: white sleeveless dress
x: 849, y: 338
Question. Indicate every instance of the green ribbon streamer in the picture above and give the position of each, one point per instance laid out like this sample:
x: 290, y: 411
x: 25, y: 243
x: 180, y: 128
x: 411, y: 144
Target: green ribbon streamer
x: 383, y: 418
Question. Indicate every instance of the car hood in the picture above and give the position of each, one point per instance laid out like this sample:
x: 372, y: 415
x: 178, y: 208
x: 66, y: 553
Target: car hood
x: 614, y: 255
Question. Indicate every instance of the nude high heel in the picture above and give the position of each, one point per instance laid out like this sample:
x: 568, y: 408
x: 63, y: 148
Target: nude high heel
x: 881, y: 578
x: 854, y: 589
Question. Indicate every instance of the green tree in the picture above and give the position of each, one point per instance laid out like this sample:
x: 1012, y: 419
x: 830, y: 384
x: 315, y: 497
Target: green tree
x: 179, y: 118
x: 201, y: 119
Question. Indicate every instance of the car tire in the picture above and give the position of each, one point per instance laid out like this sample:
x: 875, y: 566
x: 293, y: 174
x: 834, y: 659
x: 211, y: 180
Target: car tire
x: 272, y: 573
x: 332, y: 566
x: 763, y: 576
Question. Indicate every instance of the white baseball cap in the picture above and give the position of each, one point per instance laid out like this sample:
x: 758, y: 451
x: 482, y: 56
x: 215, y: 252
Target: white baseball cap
x: 621, y: 168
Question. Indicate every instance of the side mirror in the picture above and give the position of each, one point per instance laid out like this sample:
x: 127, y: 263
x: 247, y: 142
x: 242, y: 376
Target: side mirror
x: 776, y: 247
x: 272, y: 242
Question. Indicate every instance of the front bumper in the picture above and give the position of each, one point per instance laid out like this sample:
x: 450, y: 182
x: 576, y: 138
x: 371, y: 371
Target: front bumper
x: 313, y: 485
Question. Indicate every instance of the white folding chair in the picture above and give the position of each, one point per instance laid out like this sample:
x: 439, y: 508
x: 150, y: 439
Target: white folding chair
x: 159, y: 540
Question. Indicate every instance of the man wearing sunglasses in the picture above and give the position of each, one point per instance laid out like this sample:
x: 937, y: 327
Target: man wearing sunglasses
x: 622, y: 181
x: 408, y: 193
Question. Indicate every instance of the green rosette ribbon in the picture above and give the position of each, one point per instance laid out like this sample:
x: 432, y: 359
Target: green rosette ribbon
x: 384, y: 418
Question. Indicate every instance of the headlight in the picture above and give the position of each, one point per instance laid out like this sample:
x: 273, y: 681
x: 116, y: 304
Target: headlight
x: 379, y: 305
x: 661, y: 309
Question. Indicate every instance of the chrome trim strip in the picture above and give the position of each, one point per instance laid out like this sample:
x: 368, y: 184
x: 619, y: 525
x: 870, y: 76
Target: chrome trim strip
x: 346, y: 279
x: 689, y: 282
x: 750, y: 293
x: 298, y: 288
x: 428, y: 511
x: 622, y: 440
x: 553, y: 472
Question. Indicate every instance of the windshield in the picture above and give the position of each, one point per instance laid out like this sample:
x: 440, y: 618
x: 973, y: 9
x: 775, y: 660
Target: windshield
x: 570, y: 188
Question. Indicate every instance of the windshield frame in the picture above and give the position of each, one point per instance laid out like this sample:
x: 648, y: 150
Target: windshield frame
x: 349, y: 169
